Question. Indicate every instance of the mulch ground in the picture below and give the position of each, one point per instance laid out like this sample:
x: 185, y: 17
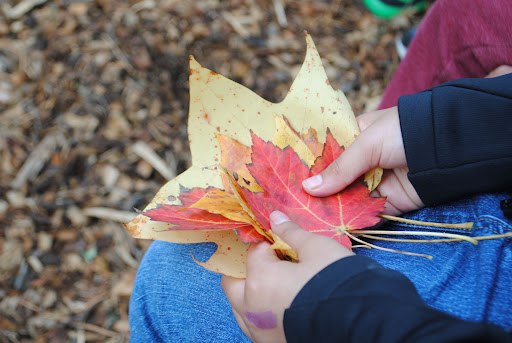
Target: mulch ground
x: 93, y: 113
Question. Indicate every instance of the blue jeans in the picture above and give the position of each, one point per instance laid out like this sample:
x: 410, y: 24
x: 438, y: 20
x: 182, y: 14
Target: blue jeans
x: 176, y: 300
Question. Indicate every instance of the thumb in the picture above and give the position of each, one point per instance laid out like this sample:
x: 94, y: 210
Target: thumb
x: 259, y: 257
x: 296, y: 237
x: 379, y: 145
x: 361, y: 156
x: 309, y: 246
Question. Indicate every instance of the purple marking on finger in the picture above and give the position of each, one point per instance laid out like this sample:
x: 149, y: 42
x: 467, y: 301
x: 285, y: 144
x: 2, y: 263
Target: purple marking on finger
x: 263, y: 319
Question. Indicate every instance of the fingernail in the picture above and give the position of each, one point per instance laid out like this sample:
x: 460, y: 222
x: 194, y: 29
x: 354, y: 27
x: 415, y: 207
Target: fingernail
x: 313, y: 182
x: 278, y: 217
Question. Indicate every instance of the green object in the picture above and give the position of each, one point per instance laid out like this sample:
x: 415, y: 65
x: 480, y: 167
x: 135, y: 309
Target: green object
x: 90, y: 254
x: 390, y: 8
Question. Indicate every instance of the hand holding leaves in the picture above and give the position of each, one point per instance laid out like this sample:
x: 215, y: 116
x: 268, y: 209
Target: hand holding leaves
x: 379, y: 144
x: 278, y: 174
x: 223, y: 112
x: 260, y: 300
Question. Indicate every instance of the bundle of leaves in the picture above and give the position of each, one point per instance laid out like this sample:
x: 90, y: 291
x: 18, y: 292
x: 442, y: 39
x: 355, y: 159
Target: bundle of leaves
x: 269, y: 180
x: 247, y: 161
x: 249, y: 158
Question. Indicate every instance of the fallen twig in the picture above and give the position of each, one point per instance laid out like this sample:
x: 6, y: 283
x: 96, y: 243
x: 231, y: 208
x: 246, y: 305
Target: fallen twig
x: 37, y: 158
x: 95, y: 329
x: 20, y: 9
x: 145, y: 152
x: 235, y: 24
x: 110, y: 214
x: 280, y: 14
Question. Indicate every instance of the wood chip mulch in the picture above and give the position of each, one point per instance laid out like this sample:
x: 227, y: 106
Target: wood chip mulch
x: 93, y: 113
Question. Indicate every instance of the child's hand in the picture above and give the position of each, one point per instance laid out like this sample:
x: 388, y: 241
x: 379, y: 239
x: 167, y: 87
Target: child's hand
x: 379, y: 145
x: 260, y: 300
x: 500, y: 71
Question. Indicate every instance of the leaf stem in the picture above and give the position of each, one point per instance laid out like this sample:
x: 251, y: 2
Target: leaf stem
x: 466, y: 226
x: 502, y: 235
x: 386, y: 249
x: 361, y: 246
x: 404, y: 240
x: 417, y: 233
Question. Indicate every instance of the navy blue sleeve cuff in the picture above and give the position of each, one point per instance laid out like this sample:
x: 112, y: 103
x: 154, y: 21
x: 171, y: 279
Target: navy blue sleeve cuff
x: 457, y: 138
x: 353, y: 281
x: 416, y: 124
x: 332, y: 276
x: 357, y: 300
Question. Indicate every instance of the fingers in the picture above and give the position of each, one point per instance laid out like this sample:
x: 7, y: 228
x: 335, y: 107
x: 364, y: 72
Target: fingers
x: 235, y: 290
x: 242, y: 324
x: 259, y: 256
x: 499, y: 71
x: 354, y: 162
x: 366, y: 119
x: 315, y: 250
x: 379, y: 145
x: 361, y: 156
x: 290, y: 232
x: 402, y: 196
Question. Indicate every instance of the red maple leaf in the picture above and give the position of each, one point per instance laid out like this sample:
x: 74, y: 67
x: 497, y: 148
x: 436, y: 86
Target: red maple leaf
x: 185, y: 218
x: 281, y: 172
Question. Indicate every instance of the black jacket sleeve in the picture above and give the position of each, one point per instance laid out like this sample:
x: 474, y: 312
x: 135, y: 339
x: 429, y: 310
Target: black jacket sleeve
x: 357, y: 300
x: 458, y: 138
